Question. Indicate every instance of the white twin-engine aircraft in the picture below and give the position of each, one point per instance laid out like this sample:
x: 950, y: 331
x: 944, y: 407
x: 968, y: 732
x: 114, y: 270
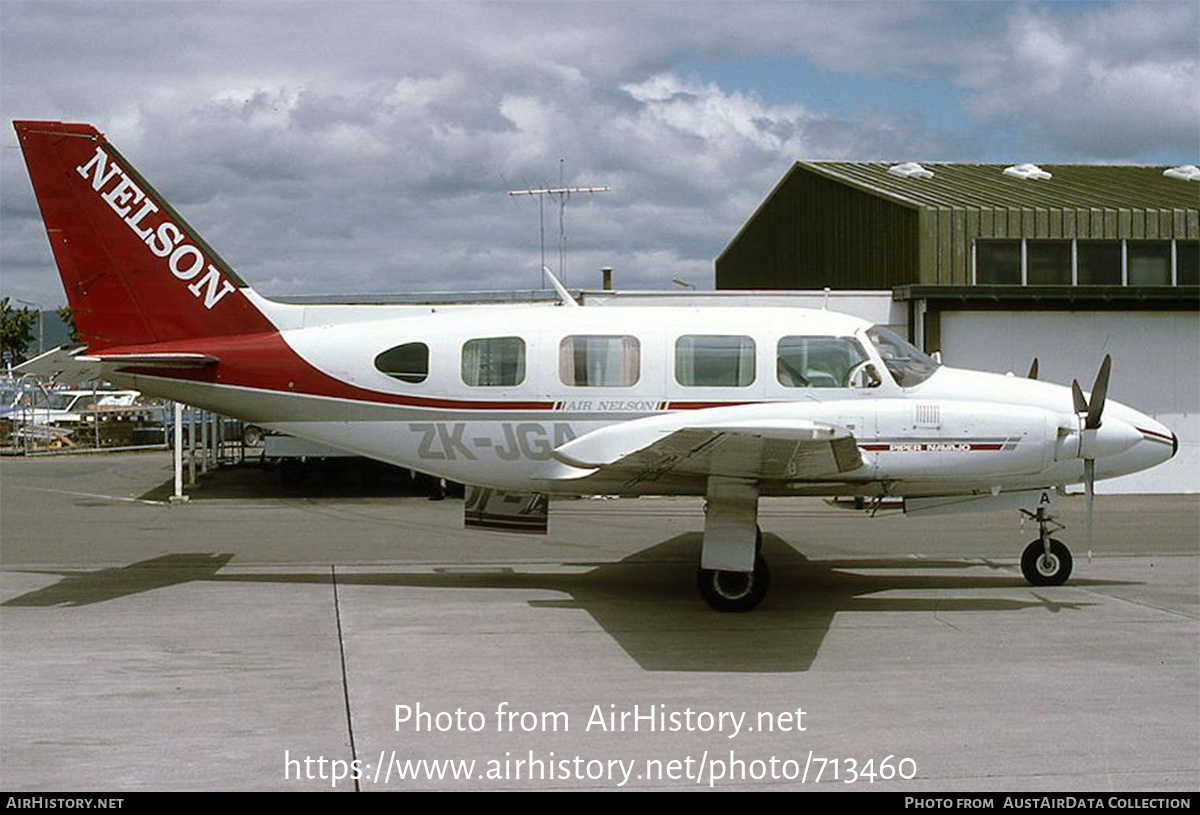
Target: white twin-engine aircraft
x: 527, y: 401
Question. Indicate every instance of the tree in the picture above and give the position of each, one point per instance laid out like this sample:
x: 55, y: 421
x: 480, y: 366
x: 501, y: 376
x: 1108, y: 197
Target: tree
x: 64, y: 314
x: 16, y: 330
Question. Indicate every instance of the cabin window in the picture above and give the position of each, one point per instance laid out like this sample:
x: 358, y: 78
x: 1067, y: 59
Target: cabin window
x: 711, y: 361
x: 494, y: 361
x: 408, y: 362
x: 818, y: 362
x: 599, y: 362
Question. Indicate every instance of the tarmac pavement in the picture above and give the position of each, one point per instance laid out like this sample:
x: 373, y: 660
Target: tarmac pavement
x: 265, y: 638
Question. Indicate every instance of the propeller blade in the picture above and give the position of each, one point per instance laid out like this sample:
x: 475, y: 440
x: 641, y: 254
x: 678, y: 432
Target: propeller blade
x: 1089, y: 494
x: 1033, y: 369
x: 1081, y: 404
x: 1099, y: 394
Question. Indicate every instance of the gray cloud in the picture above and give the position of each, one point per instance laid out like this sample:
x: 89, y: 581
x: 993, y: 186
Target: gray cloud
x: 367, y: 147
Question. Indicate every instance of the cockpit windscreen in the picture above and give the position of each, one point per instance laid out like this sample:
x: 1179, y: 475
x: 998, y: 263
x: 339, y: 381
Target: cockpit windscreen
x: 907, y: 365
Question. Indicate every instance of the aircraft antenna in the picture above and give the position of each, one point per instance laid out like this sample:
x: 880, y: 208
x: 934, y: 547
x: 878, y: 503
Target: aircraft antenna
x: 564, y: 194
x: 563, y: 295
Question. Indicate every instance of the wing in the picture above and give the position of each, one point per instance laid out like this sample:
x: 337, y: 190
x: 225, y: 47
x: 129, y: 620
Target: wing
x: 685, y: 448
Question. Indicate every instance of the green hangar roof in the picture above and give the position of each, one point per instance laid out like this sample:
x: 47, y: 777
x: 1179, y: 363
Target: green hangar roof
x: 1078, y: 186
x: 870, y: 225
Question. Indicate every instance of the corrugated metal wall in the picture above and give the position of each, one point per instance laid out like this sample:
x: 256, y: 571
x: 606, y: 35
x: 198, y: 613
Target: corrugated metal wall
x: 814, y: 232
x: 947, y: 234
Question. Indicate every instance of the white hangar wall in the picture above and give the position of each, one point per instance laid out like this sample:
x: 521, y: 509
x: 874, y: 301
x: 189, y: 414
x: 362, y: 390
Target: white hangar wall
x: 1156, y: 369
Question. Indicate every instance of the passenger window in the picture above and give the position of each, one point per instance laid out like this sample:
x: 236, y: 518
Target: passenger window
x: 703, y: 360
x: 817, y: 362
x: 599, y: 362
x: 494, y: 361
x: 408, y: 362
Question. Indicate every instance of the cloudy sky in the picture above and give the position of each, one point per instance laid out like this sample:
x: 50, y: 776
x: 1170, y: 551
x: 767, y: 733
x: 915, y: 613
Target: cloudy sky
x: 361, y: 147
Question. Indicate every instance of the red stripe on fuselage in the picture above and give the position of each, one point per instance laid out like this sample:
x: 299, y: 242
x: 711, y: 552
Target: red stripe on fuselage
x: 266, y: 362
x: 704, y: 405
x: 933, y: 447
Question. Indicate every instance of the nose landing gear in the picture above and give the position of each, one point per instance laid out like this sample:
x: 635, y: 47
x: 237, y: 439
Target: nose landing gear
x: 1045, y: 561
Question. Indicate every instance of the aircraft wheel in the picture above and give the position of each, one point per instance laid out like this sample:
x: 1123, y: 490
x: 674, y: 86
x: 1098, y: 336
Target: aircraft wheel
x: 1042, y: 569
x: 253, y: 436
x: 734, y: 591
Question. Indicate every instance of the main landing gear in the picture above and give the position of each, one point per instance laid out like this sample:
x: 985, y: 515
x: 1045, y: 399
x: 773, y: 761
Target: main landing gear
x: 736, y: 591
x: 1045, y: 561
x: 733, y: 575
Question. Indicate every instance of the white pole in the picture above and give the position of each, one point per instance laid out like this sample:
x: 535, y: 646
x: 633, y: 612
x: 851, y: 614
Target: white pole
x: 177, y: 455
x: 204, y: 414
x: 191, y: 447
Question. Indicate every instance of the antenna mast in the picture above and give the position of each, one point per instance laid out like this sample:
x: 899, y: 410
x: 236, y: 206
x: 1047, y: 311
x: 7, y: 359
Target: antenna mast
x: 564, y: 193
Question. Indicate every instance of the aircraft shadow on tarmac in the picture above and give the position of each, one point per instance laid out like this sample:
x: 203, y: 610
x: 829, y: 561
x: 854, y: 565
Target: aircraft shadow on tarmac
x: 646, y: 602
x: 328, y: 479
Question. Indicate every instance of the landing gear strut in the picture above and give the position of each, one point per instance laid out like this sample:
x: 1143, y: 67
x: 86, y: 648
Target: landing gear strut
x: 1045, y: 561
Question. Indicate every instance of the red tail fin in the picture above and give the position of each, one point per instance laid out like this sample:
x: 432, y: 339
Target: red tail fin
x: 135, y: 273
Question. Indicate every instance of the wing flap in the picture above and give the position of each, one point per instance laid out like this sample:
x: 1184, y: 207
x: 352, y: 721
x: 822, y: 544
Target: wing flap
x: 740, y: 453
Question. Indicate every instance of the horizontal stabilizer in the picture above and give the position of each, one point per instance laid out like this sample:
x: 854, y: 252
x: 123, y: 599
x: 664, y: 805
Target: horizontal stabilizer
x: 166, y: 360
x: 74, y: 364
x: 60, y: 364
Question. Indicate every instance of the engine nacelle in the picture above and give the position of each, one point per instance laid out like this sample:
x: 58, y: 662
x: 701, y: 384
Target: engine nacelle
x: 1113, y: 437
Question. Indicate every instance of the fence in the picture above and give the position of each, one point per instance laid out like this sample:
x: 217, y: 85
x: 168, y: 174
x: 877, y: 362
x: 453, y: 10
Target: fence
x: 36, y: 431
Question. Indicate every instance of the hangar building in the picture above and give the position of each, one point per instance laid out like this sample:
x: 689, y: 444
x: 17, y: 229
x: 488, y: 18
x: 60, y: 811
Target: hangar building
x: 996, y: 265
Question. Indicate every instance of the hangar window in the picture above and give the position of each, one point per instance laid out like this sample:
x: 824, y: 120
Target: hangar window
x: 494, y: 361
x: 408, y: 362
x: 1048, y: 263
x: 1187, y: 263
x: 998, y: 262
x: 1099, y: 263
x: 817, y: 362
x: 1149, y: 263
x: 598, y: 362
x: 705, y: 360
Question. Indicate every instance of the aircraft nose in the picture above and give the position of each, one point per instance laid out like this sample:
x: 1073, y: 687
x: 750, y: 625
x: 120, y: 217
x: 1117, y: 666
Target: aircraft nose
x: 1157, y: 435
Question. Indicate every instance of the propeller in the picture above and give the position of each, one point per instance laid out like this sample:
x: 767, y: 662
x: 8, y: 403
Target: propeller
x: 1092, y: 411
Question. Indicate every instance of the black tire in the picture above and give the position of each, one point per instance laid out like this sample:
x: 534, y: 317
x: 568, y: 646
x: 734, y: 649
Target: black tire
x: 253, y: 436
x: 1041, y: 569
x: 734, y: 591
